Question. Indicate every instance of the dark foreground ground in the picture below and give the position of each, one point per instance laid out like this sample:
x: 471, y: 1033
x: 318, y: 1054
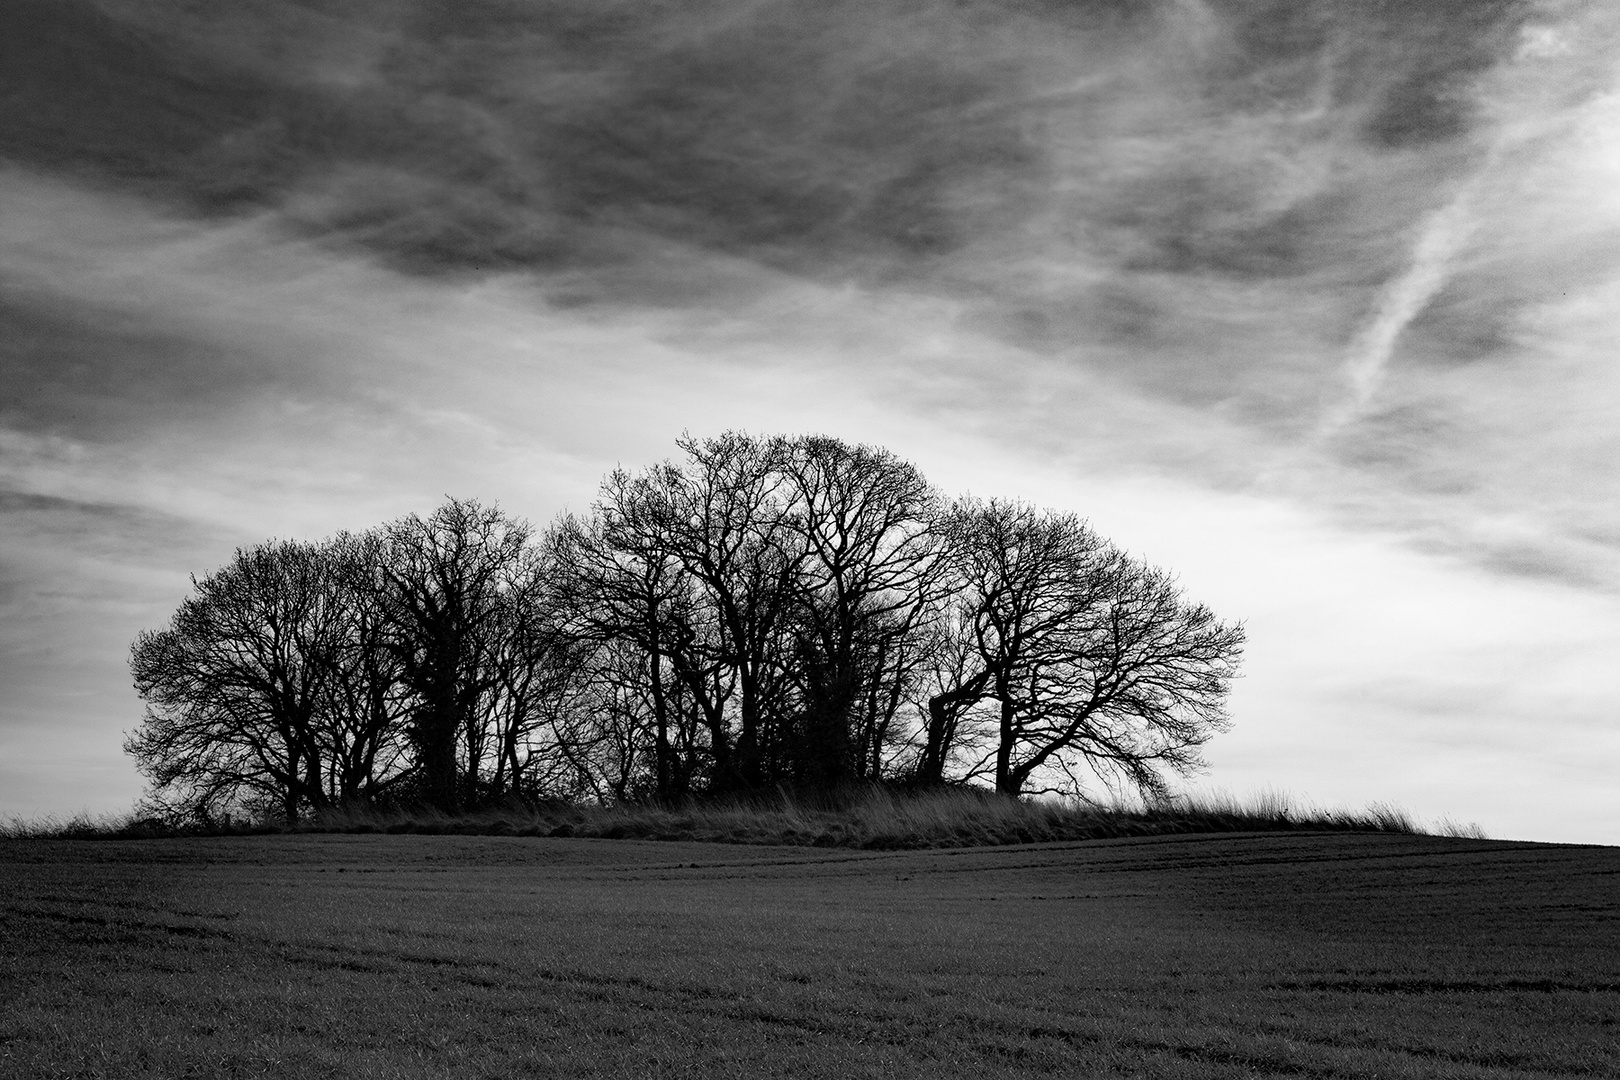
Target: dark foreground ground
x: 428, y: 956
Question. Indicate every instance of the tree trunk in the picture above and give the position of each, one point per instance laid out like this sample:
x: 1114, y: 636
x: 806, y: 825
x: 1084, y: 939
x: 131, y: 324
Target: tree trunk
x: 943, y: 710
x: 1007, y: 783
x: 747, y: 757
x: 289, y: 792
x: 434, y: 733
x: 661, y: 750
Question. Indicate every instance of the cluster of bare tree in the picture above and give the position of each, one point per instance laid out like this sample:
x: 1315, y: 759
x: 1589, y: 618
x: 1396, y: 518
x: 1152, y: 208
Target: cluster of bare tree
x: 784, y: 611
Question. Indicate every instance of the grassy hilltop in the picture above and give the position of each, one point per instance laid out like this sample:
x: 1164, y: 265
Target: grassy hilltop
x: 869, y: 817
x: 1235, y: 955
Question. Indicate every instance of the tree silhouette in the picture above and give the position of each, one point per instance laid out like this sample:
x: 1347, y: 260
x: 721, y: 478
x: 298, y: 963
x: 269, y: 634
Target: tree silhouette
x: 235, y: 686
x: 782, y: 611
x: 453, y: 588
x: 865, y: 521
x: 1085, y: 655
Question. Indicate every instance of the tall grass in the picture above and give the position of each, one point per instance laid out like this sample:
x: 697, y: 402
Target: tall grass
x: 874, y: 818
x: 1465, y: 830
x: 76, y: 827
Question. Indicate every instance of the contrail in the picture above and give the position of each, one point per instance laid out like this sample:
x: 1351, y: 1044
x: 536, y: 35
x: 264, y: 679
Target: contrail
x: 1446, y: 231
x: 1367, y: 359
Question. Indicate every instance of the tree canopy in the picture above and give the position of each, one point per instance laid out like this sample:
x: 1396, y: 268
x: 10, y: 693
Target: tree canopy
x: 764, y: 611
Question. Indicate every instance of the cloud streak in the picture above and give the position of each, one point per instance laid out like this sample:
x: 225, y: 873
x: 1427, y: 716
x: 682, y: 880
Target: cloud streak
x: 1439, y: 240
x: 1231, y: 223
x: 273, y: 268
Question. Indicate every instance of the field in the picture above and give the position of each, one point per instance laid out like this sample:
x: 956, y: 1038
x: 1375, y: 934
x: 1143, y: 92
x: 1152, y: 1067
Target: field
x: 1237, y: 955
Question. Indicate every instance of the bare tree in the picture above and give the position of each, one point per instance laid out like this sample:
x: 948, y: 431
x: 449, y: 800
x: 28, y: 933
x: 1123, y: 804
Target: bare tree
x: 865, y: 520
x: 725, y: 518
x: 531, y: 662
x: 235, y: 686
x: 625, y: 593
x: 954, y: 683
x: 1093, y: 663
x: 366, y: 703
x: 445, y: 584
x: 765, y: 611
x: 779, y: 586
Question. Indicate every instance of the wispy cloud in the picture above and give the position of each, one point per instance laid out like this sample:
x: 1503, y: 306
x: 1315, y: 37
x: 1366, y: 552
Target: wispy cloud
x: 1439, y: 240
x: 1190, y: 236
x: 279, y: 268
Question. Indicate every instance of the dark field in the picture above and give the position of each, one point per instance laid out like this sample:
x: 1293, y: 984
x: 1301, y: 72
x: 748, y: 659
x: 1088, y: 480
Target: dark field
x: 1187, y: 956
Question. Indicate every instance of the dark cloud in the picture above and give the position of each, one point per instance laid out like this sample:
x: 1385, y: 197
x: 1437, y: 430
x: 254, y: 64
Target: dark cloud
x: 105, y: 531
x: 1438, y: 50
x: 1462, y: 325
x: 851, y: 137
x: 68, y: 368
x: 1407, y: 67
x: 1208, y: 201
x: 85, y: 92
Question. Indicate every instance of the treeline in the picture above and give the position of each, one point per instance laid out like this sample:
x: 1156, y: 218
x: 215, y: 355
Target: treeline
x: 765, y: 612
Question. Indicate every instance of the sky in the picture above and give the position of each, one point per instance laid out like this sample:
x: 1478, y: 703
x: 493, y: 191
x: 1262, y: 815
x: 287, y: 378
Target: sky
x: 1314, y: 303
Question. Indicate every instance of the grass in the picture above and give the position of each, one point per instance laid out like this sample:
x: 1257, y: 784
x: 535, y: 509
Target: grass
x: 873, y: 818
x: 76, y: 827
x: 1181, y: 956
